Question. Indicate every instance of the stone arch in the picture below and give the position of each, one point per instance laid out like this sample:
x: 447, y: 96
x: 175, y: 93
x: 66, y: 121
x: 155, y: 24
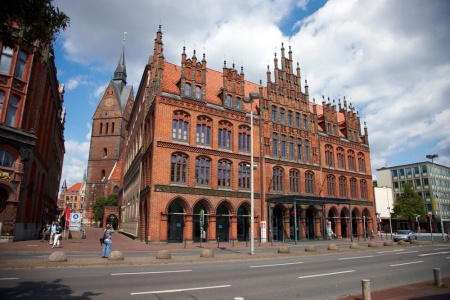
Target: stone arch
x: 176, y: 210
x: 345, y: 223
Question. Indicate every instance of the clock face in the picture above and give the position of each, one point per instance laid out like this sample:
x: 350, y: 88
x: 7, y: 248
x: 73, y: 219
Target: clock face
x: 109, y: 102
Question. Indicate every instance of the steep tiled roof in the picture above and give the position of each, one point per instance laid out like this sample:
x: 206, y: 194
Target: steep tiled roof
x: 75, y: 188
x: 116, y: 171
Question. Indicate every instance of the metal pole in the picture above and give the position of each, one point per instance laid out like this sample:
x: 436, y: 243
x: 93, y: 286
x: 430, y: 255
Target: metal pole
x: 252, y: 192
x: 389, y: 209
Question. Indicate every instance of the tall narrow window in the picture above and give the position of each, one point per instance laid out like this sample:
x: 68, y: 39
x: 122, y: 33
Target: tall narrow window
x: 5, y: 60
x: 198, y: 92
x: 202, y: 171
x: 203, y: 136
x: 229, y: 100
x: 362, y: 163
x: 180, y: 122
x: 224, y: 135
x: 351, y: 160
x: 21, y: 64
x: 274, y: 114
x: 329, y: 156
x: 6, y: 159
x: 299, y: 150
x: 342, y: 187
x: 107, y: 128
x: 331, y: 185
x: 305, y: 122
x: 244, y: 138
x: 340, y: 158
x: 101, y: 128
x: 187, y: 90
x: 307, y: 151
x: 12, y: 110
x: 275, y: 144
x: 363, y: 187
x: 291, y: 148
x: 277, y: 179
x: 112, y: 127
x: 224, y: 174
x: 283, y: 146
x: 282, y: 121
x: 244, y: 176
x: 353, y: 188
x: 238, y: 103
x: 2, y: 99
x: 309, y: 183
x: 105, y: 152
x: 294, y: 178
x: 290, y: 118
x: 297, y: 120
x: 178, y: 168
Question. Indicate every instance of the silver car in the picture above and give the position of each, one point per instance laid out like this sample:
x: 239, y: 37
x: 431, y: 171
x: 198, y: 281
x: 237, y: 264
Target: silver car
x: 405, y: 235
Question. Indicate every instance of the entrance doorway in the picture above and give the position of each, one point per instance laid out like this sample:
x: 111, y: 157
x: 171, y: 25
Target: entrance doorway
x: 242, y: 224
x: 175, y: 226
x: 222, y: 223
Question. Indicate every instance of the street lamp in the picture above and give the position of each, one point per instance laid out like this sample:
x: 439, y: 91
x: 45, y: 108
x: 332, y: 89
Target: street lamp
x: 389, y: 210
x: 250, y: 99
x: 432, y: 157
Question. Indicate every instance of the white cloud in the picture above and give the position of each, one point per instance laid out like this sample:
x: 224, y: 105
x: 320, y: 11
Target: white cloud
x: 389, y: 58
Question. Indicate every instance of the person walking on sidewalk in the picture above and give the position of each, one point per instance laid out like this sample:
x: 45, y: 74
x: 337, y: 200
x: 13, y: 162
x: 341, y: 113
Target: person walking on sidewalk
x: 57, y: 236
x: 108, y: 242
x: 45, y: 231
x: 52, y: 233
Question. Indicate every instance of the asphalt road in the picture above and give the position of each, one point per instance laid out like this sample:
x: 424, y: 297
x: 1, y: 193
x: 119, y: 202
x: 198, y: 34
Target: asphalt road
x: 326, y: 276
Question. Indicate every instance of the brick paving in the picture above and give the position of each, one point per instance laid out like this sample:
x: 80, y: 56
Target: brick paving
x: 222, y: 251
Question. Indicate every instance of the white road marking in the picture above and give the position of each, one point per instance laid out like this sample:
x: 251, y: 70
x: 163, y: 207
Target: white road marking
x: 182, y: 290
x: 326, y: 274
x: 276, y: 265
x: 356, y: 257
x: 407, y: 252
x: 160, y: 272
x: 391, y: 251
x: 437, y: 253
x: 12, y: 278
x: 409, y: 263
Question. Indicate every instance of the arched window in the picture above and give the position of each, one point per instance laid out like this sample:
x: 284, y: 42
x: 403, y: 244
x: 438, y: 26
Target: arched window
x: 107, y: 128
x: 225, y: 129
x: 180, y: 122
x: 277, y: 179
x: 102, y: 175
x: 12, y: 110
x: 178, y: 168
x: 244, y: 138
x: 5, y: 60
x: 203, y: 135
x: 309, y: 183
x: 112, y: 127
x: 101, y: 128
x: 244, y: 176
x: 353, y: 188
x: 343, y: 187
x: 361, y: 163
x: 224, y: 174
x: 21, y: 64
x: 363, y: 187
x: 294, y: 181
x: 105, y: 152
x: 187, y: 90
x: 6, y: 159
x: 331, y: 182
x: 202, y: 171
x: 340, y: 158
x: 116, y: 189
x: 351, y: 160
x: 329, y: 156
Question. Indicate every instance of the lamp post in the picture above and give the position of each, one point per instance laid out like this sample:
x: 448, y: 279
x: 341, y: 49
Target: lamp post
x: 250, y: 99
x: 432, y: 157
x: 389, y: 210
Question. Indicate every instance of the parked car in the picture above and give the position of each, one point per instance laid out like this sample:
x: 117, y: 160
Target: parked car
x: 405, y: 235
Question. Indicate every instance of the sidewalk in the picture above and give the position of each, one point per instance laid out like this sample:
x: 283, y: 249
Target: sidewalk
x: 75, y: 247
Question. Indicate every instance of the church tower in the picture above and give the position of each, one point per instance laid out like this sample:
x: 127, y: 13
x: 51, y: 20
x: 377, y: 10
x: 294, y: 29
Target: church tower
x: 108, y: 134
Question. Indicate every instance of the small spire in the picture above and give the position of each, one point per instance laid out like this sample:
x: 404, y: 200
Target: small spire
x: 224, y: 63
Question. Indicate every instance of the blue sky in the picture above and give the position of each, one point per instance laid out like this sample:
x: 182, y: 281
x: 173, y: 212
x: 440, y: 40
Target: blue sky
x: 389, y: 58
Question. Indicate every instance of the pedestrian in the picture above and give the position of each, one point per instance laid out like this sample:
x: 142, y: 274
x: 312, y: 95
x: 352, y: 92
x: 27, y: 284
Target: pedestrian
x: 58, y: 232
x: 108, y: 242
x: 45, y: 231
x: 52, y: 232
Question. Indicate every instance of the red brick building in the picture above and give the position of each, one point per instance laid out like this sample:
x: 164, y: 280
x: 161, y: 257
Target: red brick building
x: 31, y: 139
x: 109, y: 129
x: 188, y: 150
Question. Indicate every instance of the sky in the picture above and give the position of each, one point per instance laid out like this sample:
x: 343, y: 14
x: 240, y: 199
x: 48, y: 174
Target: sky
x: 390, y: 59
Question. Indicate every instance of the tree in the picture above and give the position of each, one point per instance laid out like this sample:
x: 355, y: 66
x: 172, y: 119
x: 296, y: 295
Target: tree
x: 101, y: 202
x: 409, y: 204
x: 39, y: 20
